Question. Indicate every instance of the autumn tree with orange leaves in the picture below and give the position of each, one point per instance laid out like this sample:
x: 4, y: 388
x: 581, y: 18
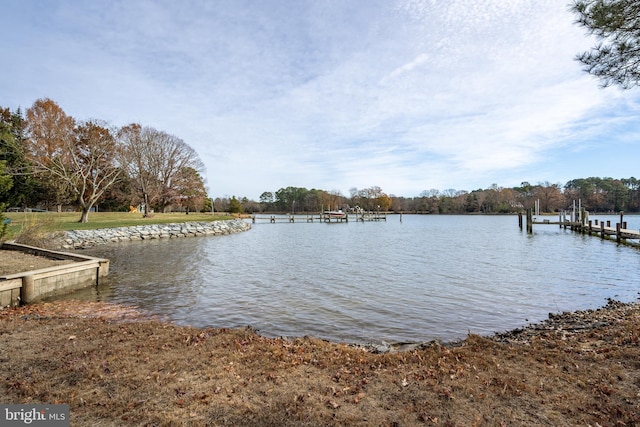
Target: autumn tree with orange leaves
x: 49, y: 130
x: 189, y: 189
x: 79, y: 158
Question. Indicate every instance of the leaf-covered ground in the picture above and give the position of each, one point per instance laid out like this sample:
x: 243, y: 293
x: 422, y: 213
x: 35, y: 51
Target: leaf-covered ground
x: 12, y: 262
x: 116, y: 366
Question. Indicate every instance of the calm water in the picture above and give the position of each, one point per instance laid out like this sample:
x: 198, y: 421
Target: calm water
x: 427, y: 277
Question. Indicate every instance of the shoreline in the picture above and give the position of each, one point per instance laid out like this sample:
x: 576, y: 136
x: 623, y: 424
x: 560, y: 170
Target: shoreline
x: 557, y: 325
x: 561, y: 325
x: 191, y: 229
x: 114, y: 365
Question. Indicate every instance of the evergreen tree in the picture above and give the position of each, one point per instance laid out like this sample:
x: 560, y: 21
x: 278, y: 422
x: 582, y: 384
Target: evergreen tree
x: 24, y: 188
x: 616, y: 24
x: 235, y: 206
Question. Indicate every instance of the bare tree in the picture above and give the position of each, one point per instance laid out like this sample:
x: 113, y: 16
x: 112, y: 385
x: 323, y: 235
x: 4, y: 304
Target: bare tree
x: 430, y: 193
x: 157, y: 162
x: 91, y: 166
x: 177, y: 156
x: 137, y: 160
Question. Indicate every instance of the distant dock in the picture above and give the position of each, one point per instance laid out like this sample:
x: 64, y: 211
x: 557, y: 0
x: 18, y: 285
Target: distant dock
x: 322, y: 217
x: 580, y: 222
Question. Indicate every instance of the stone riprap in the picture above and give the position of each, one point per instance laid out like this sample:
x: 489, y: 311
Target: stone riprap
x: 76, y: 239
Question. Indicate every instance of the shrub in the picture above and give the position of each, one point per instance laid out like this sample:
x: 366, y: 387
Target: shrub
x: 4, y: 223
x: 36, y: 231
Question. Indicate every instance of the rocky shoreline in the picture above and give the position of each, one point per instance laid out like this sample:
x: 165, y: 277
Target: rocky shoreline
x: 80, y: 239
x: 564, y: 325
x: 558, y: 326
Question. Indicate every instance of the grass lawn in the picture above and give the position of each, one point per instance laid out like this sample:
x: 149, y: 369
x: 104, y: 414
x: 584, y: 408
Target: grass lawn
x: 54, y: 221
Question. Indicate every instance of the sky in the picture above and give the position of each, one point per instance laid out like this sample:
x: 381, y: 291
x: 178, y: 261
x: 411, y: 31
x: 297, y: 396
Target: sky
x: 405, y: 95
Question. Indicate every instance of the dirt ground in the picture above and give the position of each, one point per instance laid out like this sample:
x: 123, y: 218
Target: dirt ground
x: 116, y: 366
x: 16, y: 262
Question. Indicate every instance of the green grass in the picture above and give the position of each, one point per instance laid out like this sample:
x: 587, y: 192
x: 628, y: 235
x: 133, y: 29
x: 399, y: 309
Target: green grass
x: 64, y: 221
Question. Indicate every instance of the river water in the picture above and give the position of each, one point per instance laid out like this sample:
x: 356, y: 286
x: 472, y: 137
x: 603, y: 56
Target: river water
x: 414, y: 278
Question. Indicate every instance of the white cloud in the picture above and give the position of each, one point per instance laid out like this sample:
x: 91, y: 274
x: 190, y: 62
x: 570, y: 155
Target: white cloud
x: 419, y: 60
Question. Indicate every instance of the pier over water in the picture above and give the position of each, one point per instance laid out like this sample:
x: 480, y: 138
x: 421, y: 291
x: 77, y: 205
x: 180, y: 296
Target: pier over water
x: 326, y: 217
x: 578, y: 221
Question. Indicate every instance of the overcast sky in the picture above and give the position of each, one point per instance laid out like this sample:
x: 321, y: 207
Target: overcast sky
x: 407, y: 95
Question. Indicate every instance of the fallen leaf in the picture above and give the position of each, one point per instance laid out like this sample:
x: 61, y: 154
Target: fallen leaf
x: 333, y: 404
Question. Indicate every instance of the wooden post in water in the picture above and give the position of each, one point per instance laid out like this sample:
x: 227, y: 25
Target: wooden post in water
x: 619, y: 227
x: 520, y: 220
x: 529, y: 221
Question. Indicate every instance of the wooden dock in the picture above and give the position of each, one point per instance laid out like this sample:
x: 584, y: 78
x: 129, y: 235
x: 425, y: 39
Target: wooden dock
x: 582, y: 224
x: 321, y: 217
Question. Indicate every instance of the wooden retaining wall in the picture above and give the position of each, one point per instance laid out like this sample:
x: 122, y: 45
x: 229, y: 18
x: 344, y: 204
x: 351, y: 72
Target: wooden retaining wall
x: 34, y: 285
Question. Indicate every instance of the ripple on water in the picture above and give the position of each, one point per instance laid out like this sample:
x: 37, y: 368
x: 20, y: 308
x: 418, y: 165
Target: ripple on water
x: 427, y: 277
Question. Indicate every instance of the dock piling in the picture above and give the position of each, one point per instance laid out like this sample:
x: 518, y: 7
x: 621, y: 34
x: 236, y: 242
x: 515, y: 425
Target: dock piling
x: 581, y: 223
x: 520, y: 220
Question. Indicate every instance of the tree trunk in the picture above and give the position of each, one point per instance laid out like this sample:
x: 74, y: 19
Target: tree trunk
x: 85, y: 214
x: 146, y: 205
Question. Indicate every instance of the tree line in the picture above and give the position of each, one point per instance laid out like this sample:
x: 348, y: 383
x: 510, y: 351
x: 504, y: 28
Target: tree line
x: 49, y: 160
x: 595, y: 194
